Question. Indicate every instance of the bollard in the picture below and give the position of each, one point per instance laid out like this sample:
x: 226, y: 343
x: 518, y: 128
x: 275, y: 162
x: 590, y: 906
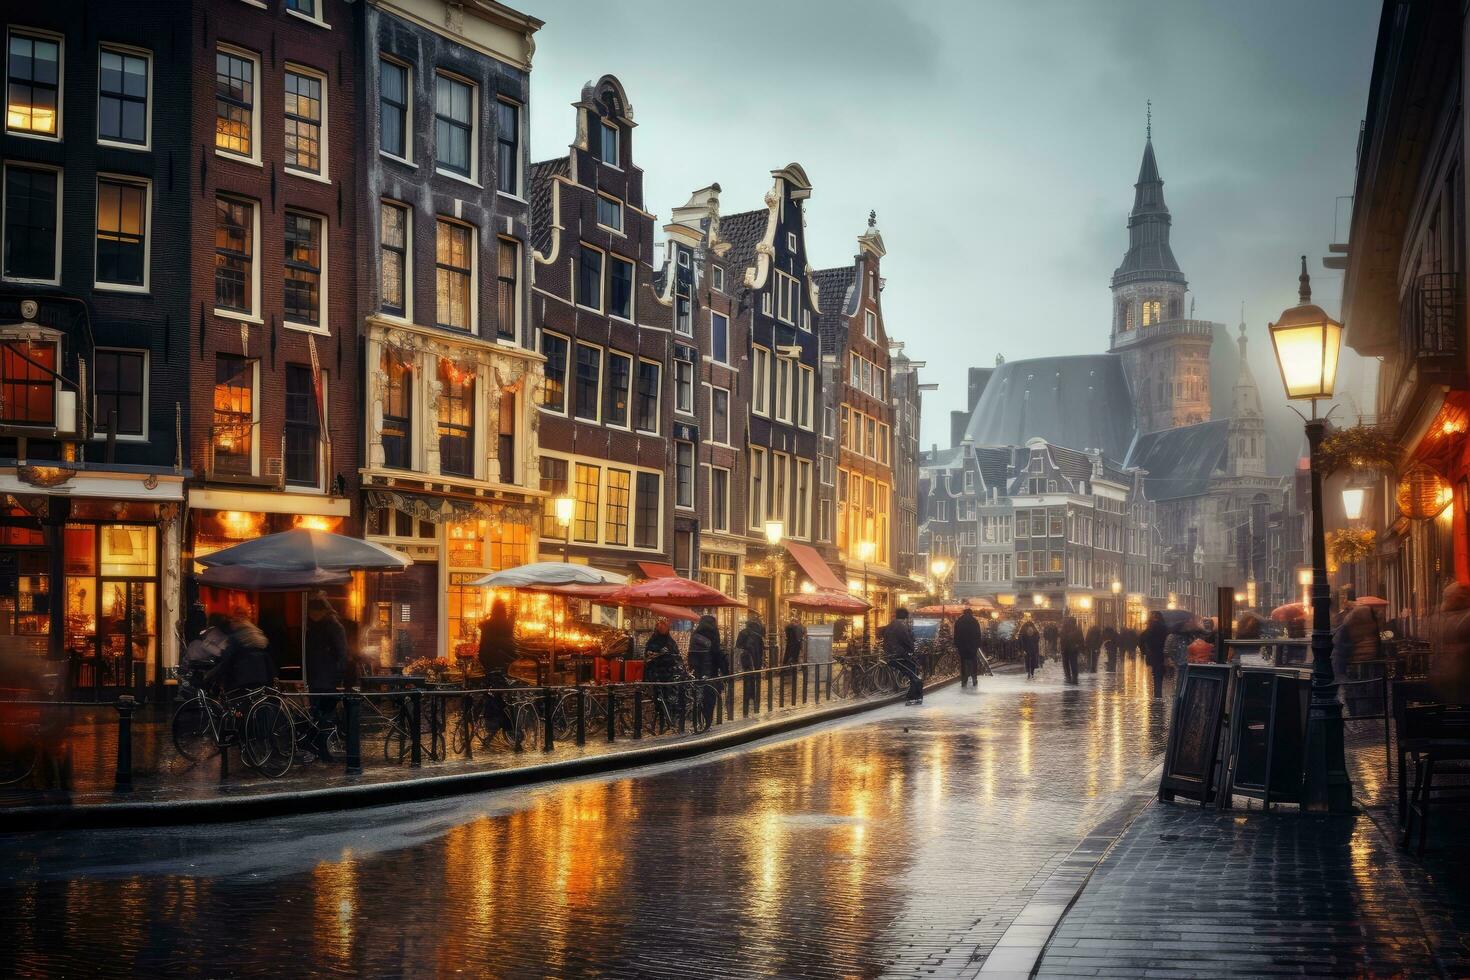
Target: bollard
x: 729, y: 691
x: 466, y: 710
x: 719, y: 703
x: 804, y: 674
x: 612, y: 713
x: 683, y: 706
x: 581, y: 715
x: 780, y: 688
x: 416, y: 706
x: 354, y: 734
x: 123, y: 782
x: 770, y: 692
x: 548, y: 727
x: 637, y: 711
x: 829, y: 680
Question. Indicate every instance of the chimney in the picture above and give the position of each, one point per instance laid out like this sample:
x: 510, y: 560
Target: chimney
x: 958, y: 423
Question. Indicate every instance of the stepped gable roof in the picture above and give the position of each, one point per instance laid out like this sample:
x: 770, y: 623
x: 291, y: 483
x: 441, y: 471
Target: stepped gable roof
x: 1180, y: 462
x: 743, y: 230
x: 542, y: 175
x: 834, y: 288
x: 1079, y: 400
x: 1149, y: 257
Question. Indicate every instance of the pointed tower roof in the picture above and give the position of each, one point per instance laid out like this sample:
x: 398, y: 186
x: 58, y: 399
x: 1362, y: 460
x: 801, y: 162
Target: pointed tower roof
x: 1149, y: 257
x: 1247, y: 395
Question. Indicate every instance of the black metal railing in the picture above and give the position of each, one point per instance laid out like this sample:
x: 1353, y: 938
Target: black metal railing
x: 1432, y: 316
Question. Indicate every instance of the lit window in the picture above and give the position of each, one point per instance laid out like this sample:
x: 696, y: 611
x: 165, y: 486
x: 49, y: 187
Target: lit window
x: 615, y: 511
x: 27, y: 385
x: 302, y: 282
x: 393, y: 238
x: 32, y: 105
x: 119, y: 380
x: 554, y: 390
x: 122, y: 97
x: 234, y: 102
x: 507, y: 147
x: 456, y: 419
x: 234, y: 255
x: 304, y: 115
x: 122, y: 232
x: 584, y: 520
x: 393, y: 108
x: 397, y: 409
x: 232, y: 435
x: 454, y: 125
x: 507, y: 288
x: 554, y: 484
x: 453, y: 258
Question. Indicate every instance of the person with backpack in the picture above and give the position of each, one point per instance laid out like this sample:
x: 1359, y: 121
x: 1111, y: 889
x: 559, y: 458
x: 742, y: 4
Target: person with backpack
x: 750, y: 647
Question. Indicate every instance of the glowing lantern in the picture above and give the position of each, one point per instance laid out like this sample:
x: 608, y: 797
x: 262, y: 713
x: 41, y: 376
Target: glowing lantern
x: 1422, y: 493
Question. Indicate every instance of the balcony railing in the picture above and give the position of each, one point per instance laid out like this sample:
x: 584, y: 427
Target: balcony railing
x: 1431, y: 341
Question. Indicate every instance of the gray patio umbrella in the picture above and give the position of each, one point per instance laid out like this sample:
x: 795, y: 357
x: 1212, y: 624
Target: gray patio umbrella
x: 303, y: 550
x: 249, y: 579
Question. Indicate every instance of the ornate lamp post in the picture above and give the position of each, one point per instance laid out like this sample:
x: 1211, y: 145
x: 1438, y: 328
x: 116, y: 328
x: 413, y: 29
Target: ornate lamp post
x: 1306, y: 341
x: 1117, y: 589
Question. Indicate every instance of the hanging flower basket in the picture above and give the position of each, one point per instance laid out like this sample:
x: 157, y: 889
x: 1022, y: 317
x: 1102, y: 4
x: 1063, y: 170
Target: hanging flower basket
x: 1358, y: 447
x: 1422, y: 493
x: 1350, y: 545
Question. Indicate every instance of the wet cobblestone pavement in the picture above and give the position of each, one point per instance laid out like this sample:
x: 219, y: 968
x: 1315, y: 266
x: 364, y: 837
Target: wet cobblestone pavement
x: 898, y: 843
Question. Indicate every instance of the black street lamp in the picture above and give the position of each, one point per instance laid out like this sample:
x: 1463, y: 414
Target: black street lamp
x: 1306, y: 341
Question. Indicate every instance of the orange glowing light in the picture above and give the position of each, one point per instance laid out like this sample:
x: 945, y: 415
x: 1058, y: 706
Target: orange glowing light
x: 317, y: 522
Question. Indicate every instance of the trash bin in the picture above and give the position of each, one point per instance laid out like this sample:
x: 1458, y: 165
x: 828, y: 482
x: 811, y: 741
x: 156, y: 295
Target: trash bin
x: 819, y: 644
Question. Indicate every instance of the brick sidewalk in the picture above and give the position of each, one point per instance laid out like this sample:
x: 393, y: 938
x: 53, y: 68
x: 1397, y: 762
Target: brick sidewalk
x: 1191, y: 892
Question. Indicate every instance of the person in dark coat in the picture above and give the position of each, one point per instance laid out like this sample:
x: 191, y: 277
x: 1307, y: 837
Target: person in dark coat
x: 707, y: 659
x: 1128, y: 639
x: 660, y: 643
x: 1030, y: 640
x: 1072, y: 641
x: 1093, y: 644
x: 898, y: 650
x: 497, y: 643
x: 795, y: 641
x: 245, y: 662
x: 1110, y: 645
x: 326, y: 667
x: 750, y: 650
x: 1154, y: 638
x: 662, y: 667
x: 967, y: 638
x: 1050, y: 635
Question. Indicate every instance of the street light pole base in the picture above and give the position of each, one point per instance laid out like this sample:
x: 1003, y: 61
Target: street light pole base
x: 1326, y: 787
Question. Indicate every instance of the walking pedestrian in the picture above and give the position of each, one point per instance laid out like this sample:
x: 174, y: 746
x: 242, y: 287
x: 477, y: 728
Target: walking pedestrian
x: 898, y: 649
x: 326, y: 668
x: 1155, y: 635
x: 1449, y: 645
x: 245, y: 662
x: 750, y: 646
x: 967, y: 639
x: 1050, y: 635
x: 497, y: 643
x: 707, y: 659
x: 1093, y: 645
x: 1110, y: 645
x: 1030, y: 640
x: 1072, y: 641
x: 795, y: 638
x: 1128, y: 639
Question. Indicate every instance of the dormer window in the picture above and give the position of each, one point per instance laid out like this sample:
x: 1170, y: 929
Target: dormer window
x: 607, y: 145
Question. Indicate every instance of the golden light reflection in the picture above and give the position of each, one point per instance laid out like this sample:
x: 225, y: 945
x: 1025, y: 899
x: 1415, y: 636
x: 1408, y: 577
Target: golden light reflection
x: 334, y: 894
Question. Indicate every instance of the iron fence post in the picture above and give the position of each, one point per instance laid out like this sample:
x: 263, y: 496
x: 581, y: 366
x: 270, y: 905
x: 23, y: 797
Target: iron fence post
x: 581, y: 715
x: 548, y: 727
x: 354, y: 734
x: 684, y: 706
x: 770, y: 693
x: 123, y: 781
x: 612, y: 713
x: 416, y: 706
x: 637, y: 711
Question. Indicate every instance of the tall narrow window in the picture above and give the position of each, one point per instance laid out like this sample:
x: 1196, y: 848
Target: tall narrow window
x: 719, y: 499
x: 31, y: 243
x: 234, y: 103
x: 646, y: 414
x: 122, y: 97
x: 27, y: 385
x: 454, y: 125
x: 683, y: 304
x: 302, y: 283
x: 607, y: 144
x: 783, y: 389
x: 302, y: 430
x: 393, y: 258
x: 589, y: 278
x: 554, y: 390
x: 34, y: 80
x: 232, y: 435
x: 719, y: 416
x: 118, y: 385
x: 645, y: 516
x: 615, y: 509
x: 234, y: 255
x: 589, y: 371
x: 760, y: 384
x: 505, y: 443
x: 803, y: 497
x: 507, y: 290
x: 393, y: 108
x: 684, y: 387
x: 507, y: 147
x: 756, y: 501
x: 554, y: 483
x: 619, y: 383
x: 620, y: 288
x: 684, y: 474
x: 304, y: 121
x: 584, y: 520
x: 122, y: 232
x: 456, y: 419
x: 870, y: 325
x: 397, y: 410
x: 452, y: 275
x: 719, y: 337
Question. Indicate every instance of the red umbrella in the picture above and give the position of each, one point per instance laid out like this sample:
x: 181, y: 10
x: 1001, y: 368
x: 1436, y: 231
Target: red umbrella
x: 1290, y: 611
x: 947, y: 609
x: 829, y: 600
x: 673, y: 592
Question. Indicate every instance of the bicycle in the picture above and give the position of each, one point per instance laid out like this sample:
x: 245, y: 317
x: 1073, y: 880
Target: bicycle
x: 510, y: 715
x: 399, y: 726
x: 203, y: 725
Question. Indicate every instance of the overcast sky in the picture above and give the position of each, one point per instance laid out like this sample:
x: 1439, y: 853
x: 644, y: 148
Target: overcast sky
x: 999, y: 143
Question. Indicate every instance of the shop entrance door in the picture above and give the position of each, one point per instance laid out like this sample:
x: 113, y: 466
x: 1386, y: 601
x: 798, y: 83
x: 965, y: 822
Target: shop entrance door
x: 126, y: 636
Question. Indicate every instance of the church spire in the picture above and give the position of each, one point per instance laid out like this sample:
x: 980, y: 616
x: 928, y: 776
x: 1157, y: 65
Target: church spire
x: 1149, y: 257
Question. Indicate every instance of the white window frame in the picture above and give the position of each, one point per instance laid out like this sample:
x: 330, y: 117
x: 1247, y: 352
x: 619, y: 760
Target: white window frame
x: 714, y: 317
x: 766, y: 302
x: 791, y: 242
x: 474, y: 174
x: 146, y: 55
x: 474, y: 330
x: 147, y: 368
x: 870, y: 325
x: 719, y: 520
x: 324, y: 174
x: 717, y: 278
x: 681, y: 407
x: 617, y: 144
x: 119, y: 287
x: 407, y: 109
x: 255, y: 107
x: 805, y: 396
x: 693, y: 475
x: 608, y: 258
x: 407, y: 315
x: 658, y: 398
x: 319, y: 18
x: 803, y: 494
x: 760, y: 381
x: 597, y: 406
x: 601, y: 306
x: 254, y: 316
x: 713, y: 435
x: 322, y: 327
x: 568, y: 381
x: 616, y: 229
x: 755, y: 515
x: 603, y: 377
x: 783, y: 405
x: 37, y: 32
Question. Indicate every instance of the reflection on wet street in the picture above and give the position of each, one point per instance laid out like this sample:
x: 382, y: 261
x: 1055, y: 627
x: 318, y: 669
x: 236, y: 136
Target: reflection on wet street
x: 889, y: 844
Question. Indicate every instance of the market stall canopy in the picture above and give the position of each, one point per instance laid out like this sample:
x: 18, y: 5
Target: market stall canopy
x: 656, y: 569
x: 671, y: 612
x: 1288, y: 612
x: 543, y: 573
x: 945, y: 609
x: 249, y: 579
x: 603, y: 595
x: 815, y: 568
x: 674, y: 592
x: 829, y: 601
x: 303, y: 550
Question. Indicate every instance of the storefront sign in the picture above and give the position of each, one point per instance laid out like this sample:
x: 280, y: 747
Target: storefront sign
x: 1194, y: 734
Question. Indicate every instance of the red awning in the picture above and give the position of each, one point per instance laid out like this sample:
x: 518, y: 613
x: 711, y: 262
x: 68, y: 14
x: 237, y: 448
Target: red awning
x: 816, y: 569
x: 828, y: 601
x: 656, y: 569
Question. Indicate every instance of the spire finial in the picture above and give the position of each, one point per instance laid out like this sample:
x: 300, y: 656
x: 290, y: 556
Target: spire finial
x: 1149, y: 130
x: 1304, y: 293
x: 1242, y: 316
x: 872, y: 218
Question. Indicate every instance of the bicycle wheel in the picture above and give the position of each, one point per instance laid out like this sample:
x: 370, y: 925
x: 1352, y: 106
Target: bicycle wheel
x: 193, y: 730
x: 397, y: 742
x: 462, y: 733
x: 269, y: 742
x: 17, y: 764
x: 840, y: 685
x: 525, y: 726
x: 702, y: 706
